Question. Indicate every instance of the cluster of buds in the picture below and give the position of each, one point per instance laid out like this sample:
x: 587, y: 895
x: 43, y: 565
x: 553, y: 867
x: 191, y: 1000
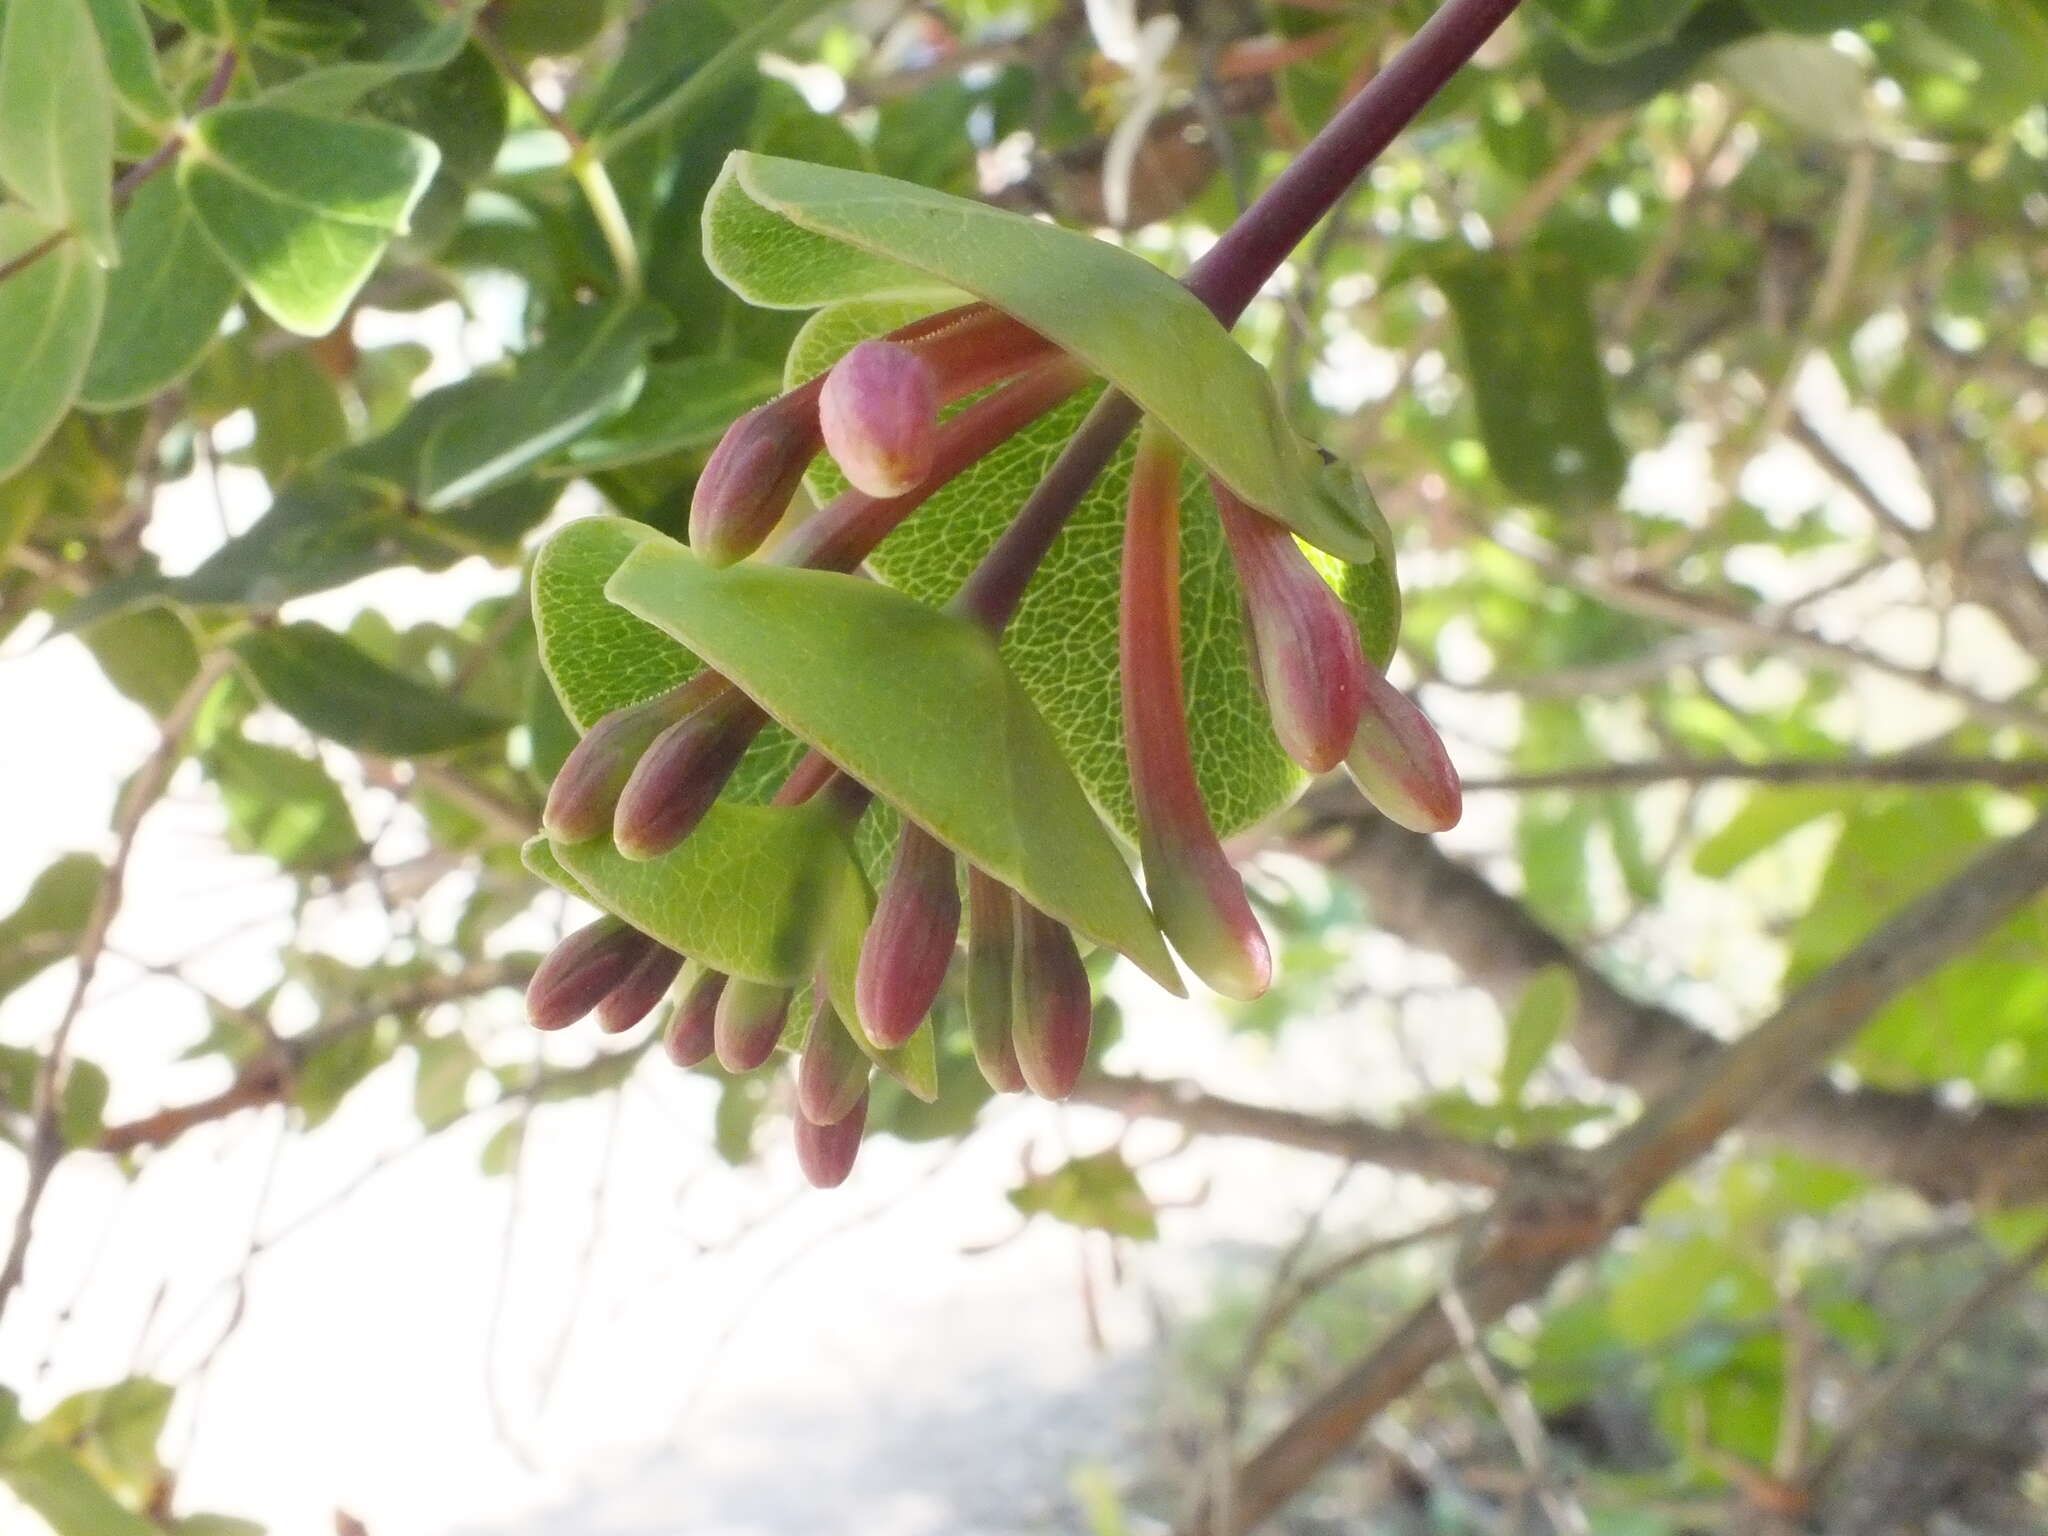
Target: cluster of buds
x: 646, y: 775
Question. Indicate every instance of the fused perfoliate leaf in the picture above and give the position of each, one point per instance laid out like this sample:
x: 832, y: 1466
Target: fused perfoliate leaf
x: 915, y: 704
x: 786, y: 235
x: 302, y: 207
x: 1062, y: 644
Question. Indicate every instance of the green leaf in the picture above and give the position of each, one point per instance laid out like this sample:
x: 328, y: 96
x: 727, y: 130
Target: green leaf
x: 917, y: 705
x: 57, y: 119
x: 1588, y: 85
x: 115, y: 1432
x: 47, y: 925
x: 770, y: 893
x: 302, y: 207
x: 227, y: 19
x: 501, y: 1153
x: 1100, y: 1193
x: 148, y: 654
x: 648, y: 87
x: 1673, y: 1285
x: 747, y: 893
x: 52, y: 1482
x: 785, y: 235
x: 300, y: 416
x: 1810, y: 83
x: 337, y: 690
x: 130, y: 54
x: 683, y: 405
x: 1606, y: 29
x: 440, y: 1091
x: 1542, y: 1017
x: 283, y: 806
x: 590, y: 367
x: 335, y: 88
x: 81, y: 1111
x: 165, y: 302
x: 330, y: 1073
x: 599, y: 656
x: 1531, y: 351
x: 1820, y: 17
x: 1063, y: 641
x: 49, y: 316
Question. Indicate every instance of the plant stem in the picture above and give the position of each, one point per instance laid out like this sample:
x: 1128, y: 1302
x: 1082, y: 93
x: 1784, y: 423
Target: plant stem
x: 1252, y: 249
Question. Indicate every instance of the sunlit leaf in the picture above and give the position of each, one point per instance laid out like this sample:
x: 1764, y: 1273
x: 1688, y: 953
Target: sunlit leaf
x: 791, y: 236
x: 57, y: 119
x: 302, y: 207
x: 917, y: 705
x: 165, y: 303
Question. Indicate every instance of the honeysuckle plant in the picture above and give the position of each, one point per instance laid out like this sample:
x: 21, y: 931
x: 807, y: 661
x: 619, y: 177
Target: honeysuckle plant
x: 1018, y: 601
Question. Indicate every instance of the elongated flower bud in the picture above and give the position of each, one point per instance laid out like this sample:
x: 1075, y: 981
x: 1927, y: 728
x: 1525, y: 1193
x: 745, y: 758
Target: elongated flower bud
x: 644, y: 987
x: 826, y: 1152
x: 991, y: 964
x: 581, y: 970
x: 909, y: 945
x: 880, y: 417
x: 1051, y: 1009
x: 832, y: 1075
x: 1400, y: 764
x: 752, y: 474
x: 585, y: 793
x: 1305, y: 649
x: 1196, y: 895
x: 689, y: 1037
x: 748, y: 1023
x: 681, y: 775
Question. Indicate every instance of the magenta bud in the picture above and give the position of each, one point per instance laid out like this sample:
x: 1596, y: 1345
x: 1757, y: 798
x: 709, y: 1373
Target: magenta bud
x: 991, y: 964
x: 1197, y: 897
x: 690, y: 1034
x: 585, y: 793
x: 681, y: 776
x: 880, y: 415
x: 1051, y: 1008
x: 748, y: 1023
x: 832, y: 1074
x: 752, y: 474
x: 581, y: 971
x: 826, y: 1152
x: 909, y: 945
x: 644, y: 987
x: 1400, y: 764
x: 1305, y: 648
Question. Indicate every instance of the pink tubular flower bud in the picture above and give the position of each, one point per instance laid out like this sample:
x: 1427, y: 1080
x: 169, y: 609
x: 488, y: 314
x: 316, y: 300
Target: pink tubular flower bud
x: 879, y: 413
x: 582, y: 970
x: 1400, y: 764
x: 681, y: 775
x: 1196, y: 895
x: 909, y: 944
x: 585, y: 794
x: 748, y: 1023
x: 689, y: 1037
x: 832, y: 1075
x: 991, y: 965
x: 642, y: 990
x: 1305, y: 649
x: 826, y: 1152
x: 752, y: 474
x: 1052, y: 1011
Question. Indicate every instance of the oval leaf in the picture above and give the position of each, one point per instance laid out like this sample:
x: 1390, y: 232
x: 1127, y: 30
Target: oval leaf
x: 165, y: 303
x: 130, y: 53
x: 917, y: 705
x: 302, y: 207
x: 871, y: 236
x: 57, y: 119
x: 337, y: 690
x: 1062, y: 644
x: 49, y: 316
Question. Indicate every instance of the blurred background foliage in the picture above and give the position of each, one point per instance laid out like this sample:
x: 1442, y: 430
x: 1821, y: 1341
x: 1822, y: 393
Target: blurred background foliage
x: 1698, y: 353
